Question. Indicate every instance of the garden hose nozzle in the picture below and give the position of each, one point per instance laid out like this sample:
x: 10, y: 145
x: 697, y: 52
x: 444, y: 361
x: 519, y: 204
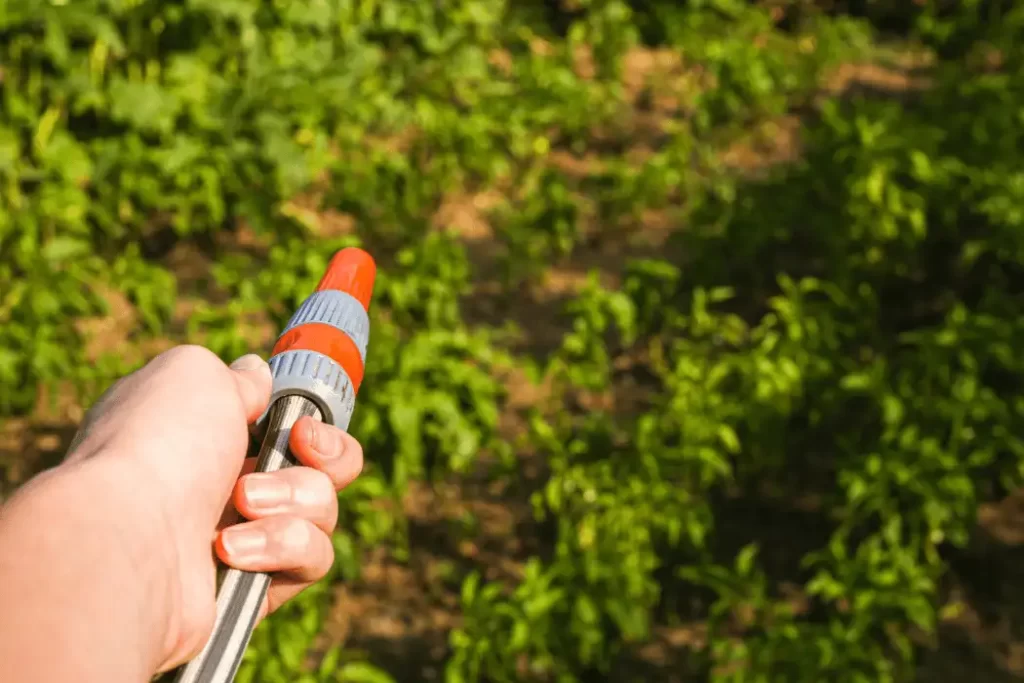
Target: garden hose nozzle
x: 317, y: 365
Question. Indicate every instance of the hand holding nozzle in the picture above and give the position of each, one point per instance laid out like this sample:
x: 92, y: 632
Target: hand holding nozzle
x: 317, y: 366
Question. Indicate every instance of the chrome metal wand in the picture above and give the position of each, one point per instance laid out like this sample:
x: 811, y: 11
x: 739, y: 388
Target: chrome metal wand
x: 317, y: 366
x: 240, y: 594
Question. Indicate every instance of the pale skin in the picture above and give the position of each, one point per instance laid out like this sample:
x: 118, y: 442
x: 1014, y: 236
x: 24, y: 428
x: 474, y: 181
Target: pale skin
x: 107, y: 561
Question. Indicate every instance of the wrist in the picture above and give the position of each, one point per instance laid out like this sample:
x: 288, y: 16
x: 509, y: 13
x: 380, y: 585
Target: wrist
x: 84, y: 564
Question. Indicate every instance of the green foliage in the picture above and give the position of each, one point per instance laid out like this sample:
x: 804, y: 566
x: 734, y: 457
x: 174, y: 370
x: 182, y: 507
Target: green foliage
x: 842, y: 328
x: 545, y: 227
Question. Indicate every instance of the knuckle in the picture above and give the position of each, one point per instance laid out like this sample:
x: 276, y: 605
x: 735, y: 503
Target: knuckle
x: 293, y: 535
x: 321, y: 557
x: 336, y: 440
x: 331, y: 512
x: 324, y: 487
x: 314, y: 490
x: 355, y: 448
x: 305, y: 547
x: 327, y: 558
x: 191, y: 353
x: 198, y: 360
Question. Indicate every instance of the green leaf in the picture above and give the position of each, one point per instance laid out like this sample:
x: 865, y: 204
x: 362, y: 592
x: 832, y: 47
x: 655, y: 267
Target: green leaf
x: 63, y: 249
x: 363, y: 672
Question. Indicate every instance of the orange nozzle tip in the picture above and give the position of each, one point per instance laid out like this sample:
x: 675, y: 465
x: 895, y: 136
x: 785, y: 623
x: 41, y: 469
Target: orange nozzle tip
x: 353, y: 271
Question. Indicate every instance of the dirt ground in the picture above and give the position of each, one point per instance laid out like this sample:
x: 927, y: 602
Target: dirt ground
x: 400, y: 614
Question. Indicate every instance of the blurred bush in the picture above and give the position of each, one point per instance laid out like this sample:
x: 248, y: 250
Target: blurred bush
x: 840, y: 329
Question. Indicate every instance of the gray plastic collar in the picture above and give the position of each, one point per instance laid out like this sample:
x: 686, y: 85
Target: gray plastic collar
x: 316, y: 377
x: 337, y: 309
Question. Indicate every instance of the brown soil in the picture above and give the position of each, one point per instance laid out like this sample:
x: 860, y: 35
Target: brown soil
x: 400, y: 613
x: 771, y: 144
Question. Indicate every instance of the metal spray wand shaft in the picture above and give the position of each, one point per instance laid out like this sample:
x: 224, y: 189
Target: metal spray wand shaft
x: 317, y: 366
x: 240, y: 593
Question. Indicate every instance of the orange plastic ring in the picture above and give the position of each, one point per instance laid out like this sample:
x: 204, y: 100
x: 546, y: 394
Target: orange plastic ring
x: 328, y: 340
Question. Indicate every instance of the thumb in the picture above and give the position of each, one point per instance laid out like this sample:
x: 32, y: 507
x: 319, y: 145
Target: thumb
x: 254, y: 382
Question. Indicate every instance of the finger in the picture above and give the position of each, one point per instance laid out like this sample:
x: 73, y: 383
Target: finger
x: 248, y: 465
x: 326, y: 448
x: 231, y: 515
x: 290, y: 545
x: 291, y: 492
x: 252, y: 375
x: 265, y: 605
x: 282, y: 589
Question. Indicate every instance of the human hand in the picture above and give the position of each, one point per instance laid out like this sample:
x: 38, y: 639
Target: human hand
x: 176, y: 433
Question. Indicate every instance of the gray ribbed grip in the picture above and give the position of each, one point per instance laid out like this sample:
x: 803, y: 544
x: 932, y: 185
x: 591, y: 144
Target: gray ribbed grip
x: 337, y: 309
x: 312, y: 374
x: 318, y: 378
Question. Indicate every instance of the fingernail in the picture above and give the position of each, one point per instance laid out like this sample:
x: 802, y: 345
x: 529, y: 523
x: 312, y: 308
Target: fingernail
x: 242, y: 542
x: 326, y: 445
x: 249, y: 361
x: 263, y: 491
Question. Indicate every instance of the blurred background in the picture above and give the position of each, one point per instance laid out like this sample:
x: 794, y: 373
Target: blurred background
x: 697, y: 340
